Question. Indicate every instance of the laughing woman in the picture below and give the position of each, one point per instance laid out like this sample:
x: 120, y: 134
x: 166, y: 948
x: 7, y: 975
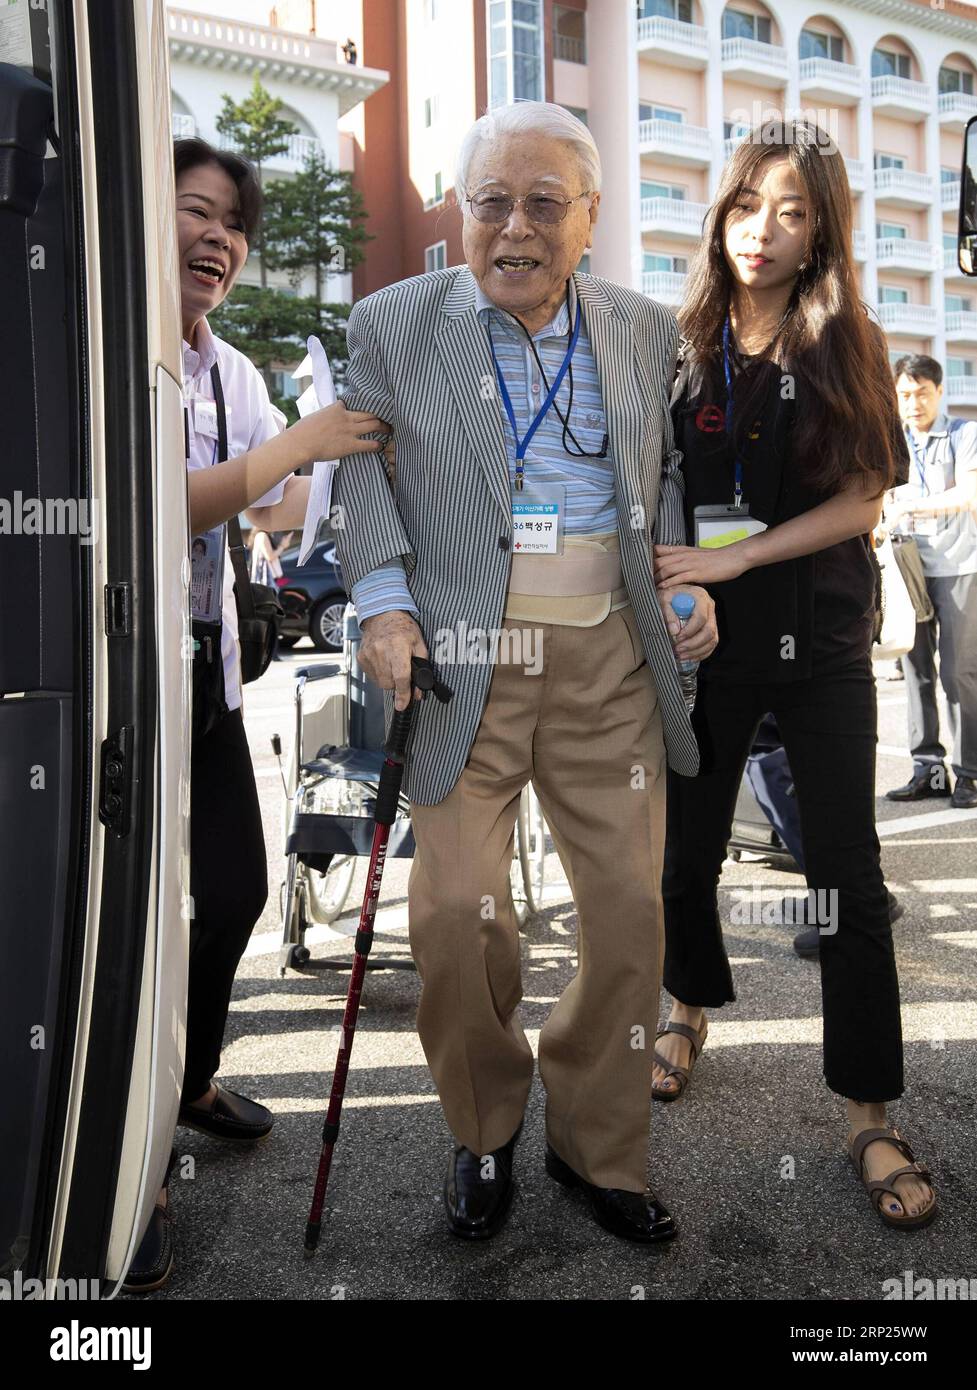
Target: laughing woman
x: 786, y: 412
x: 218, y: 203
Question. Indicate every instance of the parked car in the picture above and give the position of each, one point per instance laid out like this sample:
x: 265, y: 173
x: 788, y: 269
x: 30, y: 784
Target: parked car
x: 313, y: 597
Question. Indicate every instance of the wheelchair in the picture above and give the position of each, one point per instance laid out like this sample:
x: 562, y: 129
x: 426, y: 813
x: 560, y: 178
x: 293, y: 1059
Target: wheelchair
x: 329, y: 807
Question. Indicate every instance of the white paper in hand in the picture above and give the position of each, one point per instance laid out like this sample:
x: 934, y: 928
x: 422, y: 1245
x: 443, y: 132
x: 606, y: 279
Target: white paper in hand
x: 321, y: 393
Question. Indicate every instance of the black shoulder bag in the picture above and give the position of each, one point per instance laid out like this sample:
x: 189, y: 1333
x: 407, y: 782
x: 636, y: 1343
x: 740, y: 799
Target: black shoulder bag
x: 258, y: 609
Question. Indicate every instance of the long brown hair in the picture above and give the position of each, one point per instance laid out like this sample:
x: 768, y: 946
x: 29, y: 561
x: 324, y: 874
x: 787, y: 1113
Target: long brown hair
x: 848, y: 420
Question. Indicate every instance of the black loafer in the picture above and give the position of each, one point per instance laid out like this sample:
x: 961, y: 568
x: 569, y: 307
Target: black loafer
x: 477, y: 1205
x: 964, y: 796
x: 230, y: 1117
x: 930, y: 780
x: 637, y: 1216
x: 807, y: 943
x: 152, y: 1263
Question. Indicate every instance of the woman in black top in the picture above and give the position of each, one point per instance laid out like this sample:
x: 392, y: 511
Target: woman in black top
x: 785, y: 410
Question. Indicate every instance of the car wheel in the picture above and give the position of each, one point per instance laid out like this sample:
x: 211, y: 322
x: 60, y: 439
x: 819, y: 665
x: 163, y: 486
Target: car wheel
x: 326, y: 627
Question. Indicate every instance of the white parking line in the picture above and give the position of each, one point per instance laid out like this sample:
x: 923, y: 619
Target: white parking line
x: 927, y: 821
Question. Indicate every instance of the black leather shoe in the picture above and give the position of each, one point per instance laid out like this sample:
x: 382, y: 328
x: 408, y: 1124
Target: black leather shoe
x: 637, y: 1216
x: 807, y: 943
x: 230, y: 1116
x: 476, y: 1206
x: 964, y: 794
x: 152, y: 1263
x: 928, y: 780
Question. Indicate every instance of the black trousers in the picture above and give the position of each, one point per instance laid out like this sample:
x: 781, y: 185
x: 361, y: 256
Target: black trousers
x: 228, y: 884
x: 829, y: 729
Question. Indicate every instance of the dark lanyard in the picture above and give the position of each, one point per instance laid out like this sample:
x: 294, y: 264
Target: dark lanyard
x: 523, y: 444
x: 919, y: 462
x: 737, y: 461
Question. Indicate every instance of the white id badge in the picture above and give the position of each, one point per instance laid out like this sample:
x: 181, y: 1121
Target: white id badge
x: 926, y: 524
x: 207, y: 575
x: 205, y: 418
x: 724, y: 524
x: 538, y: 515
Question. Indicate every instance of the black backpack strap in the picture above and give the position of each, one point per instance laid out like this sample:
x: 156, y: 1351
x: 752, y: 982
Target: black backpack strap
x: 242, y: 583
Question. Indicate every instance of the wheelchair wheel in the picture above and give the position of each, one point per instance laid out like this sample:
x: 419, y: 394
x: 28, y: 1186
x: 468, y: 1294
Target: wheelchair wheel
x: 531, y: 851
x: 327, y: 893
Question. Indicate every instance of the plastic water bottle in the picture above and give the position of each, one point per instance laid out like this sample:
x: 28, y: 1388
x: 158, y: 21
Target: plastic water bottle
x: 683, y: 606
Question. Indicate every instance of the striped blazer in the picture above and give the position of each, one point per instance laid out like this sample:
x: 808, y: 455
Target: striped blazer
x: 420, y: 359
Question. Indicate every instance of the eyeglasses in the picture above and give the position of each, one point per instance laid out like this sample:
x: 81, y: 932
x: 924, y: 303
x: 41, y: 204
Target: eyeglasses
x: 544, y: 208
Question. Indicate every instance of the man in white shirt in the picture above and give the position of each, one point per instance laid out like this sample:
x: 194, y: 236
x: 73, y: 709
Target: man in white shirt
x: 938, y: 508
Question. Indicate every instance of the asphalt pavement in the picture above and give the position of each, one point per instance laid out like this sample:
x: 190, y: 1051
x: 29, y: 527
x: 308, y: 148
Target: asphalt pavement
x: 751, y: 1161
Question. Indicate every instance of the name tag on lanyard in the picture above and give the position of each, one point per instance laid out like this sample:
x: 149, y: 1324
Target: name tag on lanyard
x: 207, y: 575
x: 538, y: 508
x: 538, y: 514
x: 207, y: 551
x: 922, y: 523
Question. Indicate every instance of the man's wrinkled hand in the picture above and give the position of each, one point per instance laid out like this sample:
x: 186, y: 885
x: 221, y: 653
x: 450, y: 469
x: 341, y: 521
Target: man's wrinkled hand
x: 389, y: 642
x: 700, y: 635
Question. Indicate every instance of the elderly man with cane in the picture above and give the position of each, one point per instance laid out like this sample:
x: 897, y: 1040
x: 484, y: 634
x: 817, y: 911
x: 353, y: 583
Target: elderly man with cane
x: 536, y: 468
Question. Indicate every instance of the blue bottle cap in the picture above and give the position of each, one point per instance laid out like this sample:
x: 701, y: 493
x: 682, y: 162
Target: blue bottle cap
x: 683, y: 606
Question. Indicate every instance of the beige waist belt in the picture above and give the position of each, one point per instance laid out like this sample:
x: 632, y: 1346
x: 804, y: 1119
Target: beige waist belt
x: 590, y: 572
x: 576, y: 589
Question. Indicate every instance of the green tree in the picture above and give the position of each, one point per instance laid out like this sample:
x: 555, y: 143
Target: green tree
x: 256, y: 130
x: 271, y: 328
x: 314, y: 223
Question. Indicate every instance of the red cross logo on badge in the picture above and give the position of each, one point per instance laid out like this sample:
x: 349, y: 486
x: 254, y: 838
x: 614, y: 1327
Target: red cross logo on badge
x: 710, y: 419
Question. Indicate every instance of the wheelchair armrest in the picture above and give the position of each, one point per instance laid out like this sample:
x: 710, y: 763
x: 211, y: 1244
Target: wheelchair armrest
x: 318, y: 673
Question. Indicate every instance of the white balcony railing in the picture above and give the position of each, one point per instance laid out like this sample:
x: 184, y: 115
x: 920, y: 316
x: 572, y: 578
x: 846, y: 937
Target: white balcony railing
x: 956, y: 107
x: 901, y: 93
x: 184, y: 127
x: 667, y: 286
x: 751, y: 53
x: 688, y: 140
x: 903, y: 183
x: 673, y: 214
x: 672, y: 36
x: 961, y: 325
x: 951, y: 263
x: 248, y: 43
x: 950, y: 194
x: 299, y: 147
x: 569, y: 49
x: 903, y: 251
x: 856, y: 174
x: 908, y: 318
x: 960, y: 390
x: 817, y: 71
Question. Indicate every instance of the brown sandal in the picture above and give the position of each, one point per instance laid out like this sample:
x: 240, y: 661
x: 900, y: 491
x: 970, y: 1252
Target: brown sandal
x: 876, y: 1186
x: 697, y: 1039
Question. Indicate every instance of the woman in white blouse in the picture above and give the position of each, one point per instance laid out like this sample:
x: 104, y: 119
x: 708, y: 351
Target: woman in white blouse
x: 218, y: 204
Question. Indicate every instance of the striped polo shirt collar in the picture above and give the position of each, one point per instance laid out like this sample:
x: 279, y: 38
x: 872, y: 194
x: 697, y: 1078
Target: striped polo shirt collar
x: 558, y: 327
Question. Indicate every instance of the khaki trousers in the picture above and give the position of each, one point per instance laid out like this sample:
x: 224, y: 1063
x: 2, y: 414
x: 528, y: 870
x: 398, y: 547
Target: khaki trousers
x: 587, y: 731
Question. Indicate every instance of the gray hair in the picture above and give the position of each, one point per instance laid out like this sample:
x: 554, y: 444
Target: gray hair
x: 540, y: 117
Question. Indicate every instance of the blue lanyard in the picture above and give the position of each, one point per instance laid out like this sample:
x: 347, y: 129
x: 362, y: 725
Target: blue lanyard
x: 523, y: 444
x: 737, y: 462
x: 919, y: 462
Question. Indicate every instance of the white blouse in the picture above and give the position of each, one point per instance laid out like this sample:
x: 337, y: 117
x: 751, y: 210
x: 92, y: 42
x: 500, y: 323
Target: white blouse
x: 251, y: 420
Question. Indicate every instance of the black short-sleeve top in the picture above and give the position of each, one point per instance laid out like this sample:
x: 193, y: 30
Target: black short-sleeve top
x: 787, y: 621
